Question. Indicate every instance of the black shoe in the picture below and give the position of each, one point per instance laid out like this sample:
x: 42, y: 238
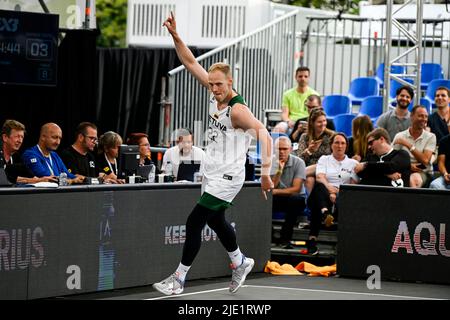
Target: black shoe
x: 312, y: 247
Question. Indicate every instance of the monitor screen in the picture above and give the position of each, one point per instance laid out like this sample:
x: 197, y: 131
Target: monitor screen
x: 128, y: 162
x: 186, y: 171
x: 28, y: 48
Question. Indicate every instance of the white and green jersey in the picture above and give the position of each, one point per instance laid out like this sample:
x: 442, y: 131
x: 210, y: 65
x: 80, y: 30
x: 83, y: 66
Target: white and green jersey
x: 224, y: 164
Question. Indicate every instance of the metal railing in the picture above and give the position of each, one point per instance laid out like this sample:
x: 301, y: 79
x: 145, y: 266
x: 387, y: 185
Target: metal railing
x: 339, y: 50
x: 262, y: 62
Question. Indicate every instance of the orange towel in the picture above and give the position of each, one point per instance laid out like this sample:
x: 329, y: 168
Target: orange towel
x: 286, y: 269
x: 314, y: 271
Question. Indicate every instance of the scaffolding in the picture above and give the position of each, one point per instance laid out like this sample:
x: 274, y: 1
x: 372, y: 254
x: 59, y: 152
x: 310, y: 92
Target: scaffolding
x: 415, y: 43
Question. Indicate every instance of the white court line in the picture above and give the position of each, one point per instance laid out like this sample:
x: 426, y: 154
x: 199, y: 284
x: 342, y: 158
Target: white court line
x: 186, y: 294
x: 344, y: 292
x: 299, y: 289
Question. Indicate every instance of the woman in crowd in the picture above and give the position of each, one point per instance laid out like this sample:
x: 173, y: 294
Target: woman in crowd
x: 108, y: 151
x: 314, y: 143
x: 358, y: 149
x: 332, y: 171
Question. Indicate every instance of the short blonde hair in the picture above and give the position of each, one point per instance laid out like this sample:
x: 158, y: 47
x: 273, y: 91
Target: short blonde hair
x: 220, y: 66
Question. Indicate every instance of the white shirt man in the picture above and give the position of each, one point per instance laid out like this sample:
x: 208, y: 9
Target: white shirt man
x: 184, y: 151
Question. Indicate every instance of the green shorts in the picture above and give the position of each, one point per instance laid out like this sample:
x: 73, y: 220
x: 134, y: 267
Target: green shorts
x: 209, y: 201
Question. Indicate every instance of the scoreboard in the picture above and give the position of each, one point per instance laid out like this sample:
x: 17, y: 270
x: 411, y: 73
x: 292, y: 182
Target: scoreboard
x: 28, y: 48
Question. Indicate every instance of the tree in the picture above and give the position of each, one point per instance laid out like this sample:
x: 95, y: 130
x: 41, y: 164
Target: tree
x: 112, y: 22
x: 347, y: 6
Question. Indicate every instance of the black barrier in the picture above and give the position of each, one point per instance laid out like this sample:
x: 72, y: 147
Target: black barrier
x: 81, y: 239
x: 394, y: 234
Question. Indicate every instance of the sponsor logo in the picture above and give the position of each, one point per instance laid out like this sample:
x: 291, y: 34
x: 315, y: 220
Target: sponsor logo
x: 9, y: 25
x: 21, y: 248
x: 425, y: 241
x: 177, y: 234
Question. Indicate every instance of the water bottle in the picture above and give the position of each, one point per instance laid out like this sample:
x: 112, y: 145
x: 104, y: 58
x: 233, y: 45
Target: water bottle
x: 63, y: 179
x: 169, y: 172
x: 151, y: 174
x: 169, y: 169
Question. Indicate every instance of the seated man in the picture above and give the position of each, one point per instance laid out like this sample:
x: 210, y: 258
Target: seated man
x: 42, y: 159
x: 184, y: 151
x: 78, y: 157
x: 287, y: 174
x: 293, y: 105
x: 439, y: 121
x: 13, y: 133
x: 384, y: 166
x: 443, y: 182
x: 420, y: 144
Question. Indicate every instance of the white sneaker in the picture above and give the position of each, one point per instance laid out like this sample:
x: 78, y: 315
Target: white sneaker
x: 240, y: 273
x: 169, y: 286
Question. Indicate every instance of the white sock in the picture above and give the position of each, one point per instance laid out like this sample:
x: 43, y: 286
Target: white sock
x: 236, y: 257
x: 182, y: 271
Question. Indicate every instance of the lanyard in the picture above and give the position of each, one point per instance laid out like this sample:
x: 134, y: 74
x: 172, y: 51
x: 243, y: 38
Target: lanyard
x: 50, y: 166
x: 110, y: 165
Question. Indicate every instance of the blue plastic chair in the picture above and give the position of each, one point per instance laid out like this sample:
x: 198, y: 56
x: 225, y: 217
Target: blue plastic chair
x: 430, y: 72
x: 361, y: 88
x: 336, y: 104
x: 343, y: 123
x: 423, y: 102
x: 395, y: 85
x: 379, y: 76
x: 372, y: 106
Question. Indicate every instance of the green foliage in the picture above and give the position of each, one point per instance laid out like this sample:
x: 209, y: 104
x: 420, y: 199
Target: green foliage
x: 347, y: 6
x: 112, y: 22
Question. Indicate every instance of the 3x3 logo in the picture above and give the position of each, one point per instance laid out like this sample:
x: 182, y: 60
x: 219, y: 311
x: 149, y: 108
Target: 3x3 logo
x: 9, y: 25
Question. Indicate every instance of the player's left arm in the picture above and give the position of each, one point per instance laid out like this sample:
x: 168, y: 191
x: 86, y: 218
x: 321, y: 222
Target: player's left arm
x: 242, y: 118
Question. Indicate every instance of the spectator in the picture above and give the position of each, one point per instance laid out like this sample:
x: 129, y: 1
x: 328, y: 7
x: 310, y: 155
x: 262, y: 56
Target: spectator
x: 42, y: 159
x: 301, y: 125
x: 293, y: 106
x: 420, y: 144
x: 385, y: 166
x: 314, y: 144
x: 13, y: 133
x: 443, y: 182
x: 287, y: 174
x: 78, y: 157
x: 108, y: 151
x: 332, y: 171
x: 357, y: 149
x: 398, y: 119
x: 184, y: 151
x: 439, y: 121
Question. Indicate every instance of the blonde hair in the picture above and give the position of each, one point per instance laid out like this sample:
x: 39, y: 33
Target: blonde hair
x: 220, y: 66
x: 361, y: 127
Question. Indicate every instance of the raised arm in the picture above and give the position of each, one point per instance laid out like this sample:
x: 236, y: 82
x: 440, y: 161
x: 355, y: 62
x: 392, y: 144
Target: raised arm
x: 184, y: 54
x: 243, y: 119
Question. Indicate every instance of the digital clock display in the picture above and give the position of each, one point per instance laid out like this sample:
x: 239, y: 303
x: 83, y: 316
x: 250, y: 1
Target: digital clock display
x: 28, y: 48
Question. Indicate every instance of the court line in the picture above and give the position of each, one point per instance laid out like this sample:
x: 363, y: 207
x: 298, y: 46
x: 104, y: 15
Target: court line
x: 344, y: 292
x: 187, y: 294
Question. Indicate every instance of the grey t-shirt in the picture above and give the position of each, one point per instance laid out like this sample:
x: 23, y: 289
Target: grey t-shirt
x: 392, y: 123
x: 294, y: 168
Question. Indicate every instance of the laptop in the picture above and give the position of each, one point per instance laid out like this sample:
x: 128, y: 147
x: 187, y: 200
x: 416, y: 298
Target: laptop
x: 186, y: 170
